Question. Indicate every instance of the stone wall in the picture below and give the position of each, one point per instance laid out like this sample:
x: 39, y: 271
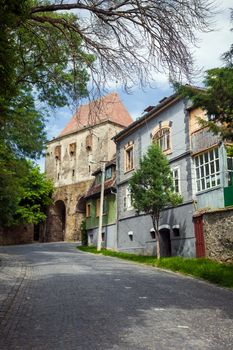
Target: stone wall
x: 71, y: 168
x: 70, y: 196
x: 218, y: 234
x: 17, y: 235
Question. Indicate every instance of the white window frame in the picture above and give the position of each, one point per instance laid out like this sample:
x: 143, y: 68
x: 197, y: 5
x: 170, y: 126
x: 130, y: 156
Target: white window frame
x: 163, y: 139
x: 127, y: 199
x: 173, y: 170
x: 162, y: 136
x: 207, y: 170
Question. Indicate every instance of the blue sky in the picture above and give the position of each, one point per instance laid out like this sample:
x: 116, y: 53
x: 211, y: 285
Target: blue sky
x: 207, y: 55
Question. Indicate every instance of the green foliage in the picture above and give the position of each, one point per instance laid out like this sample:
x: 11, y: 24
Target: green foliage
x: 216, y: 99
x: 41, y: 65
x: 218, y: 273
x: 35, y: 196
x: 26, y: 196
x: 84, y: 233
x: 40, y: 55
x: 152, y: 185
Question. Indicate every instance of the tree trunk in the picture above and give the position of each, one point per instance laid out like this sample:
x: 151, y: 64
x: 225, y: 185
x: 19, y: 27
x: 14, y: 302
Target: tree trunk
x: 158, y: 244
x: 155, y: 220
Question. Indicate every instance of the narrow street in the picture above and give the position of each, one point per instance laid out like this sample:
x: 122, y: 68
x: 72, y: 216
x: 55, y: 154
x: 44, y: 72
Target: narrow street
x: 54, y: 297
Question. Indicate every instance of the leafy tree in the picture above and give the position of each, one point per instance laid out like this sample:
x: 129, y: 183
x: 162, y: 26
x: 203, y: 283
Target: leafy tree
x: 35, y: 196
x: 152, y: 188
x: 48, y: 53
x: 26, y: 196
x: 216, y: 98
x: 37, y: 68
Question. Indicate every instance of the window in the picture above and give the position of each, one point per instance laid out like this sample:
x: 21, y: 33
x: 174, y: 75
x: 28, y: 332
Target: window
x: 104, y: 207
x: 88, y: 210
x: 207, y: 170
x: 162, y: 136
x: 176, y: 179
x: 230, y: 171
x: 98, y: 178
x: 103, y: 236
x: 108, y: 173
x: 130, y: 234
x: 152, y: 233
x: 89, y: 142
x: 176, y: 232
x: 98, y: 207
x: 72, y: 149
x: 57, y: 152
x: 127, y: 199
x: 129, y: 157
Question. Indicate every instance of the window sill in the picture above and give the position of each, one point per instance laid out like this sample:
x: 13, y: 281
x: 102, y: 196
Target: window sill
x: 128, y: 171
x: 209, y: 190
x: 167, y: 151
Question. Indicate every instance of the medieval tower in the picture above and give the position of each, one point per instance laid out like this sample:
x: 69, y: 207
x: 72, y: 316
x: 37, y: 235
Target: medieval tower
x: 72, y: 157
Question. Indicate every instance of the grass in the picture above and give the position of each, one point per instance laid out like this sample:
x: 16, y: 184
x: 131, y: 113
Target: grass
x: 218, y: 273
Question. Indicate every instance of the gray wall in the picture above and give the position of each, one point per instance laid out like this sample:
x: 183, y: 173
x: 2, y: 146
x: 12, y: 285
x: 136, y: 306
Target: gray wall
x: 110, y: 237
x: 184, y: 147
x: 128, y: 221
x: 143, y: 243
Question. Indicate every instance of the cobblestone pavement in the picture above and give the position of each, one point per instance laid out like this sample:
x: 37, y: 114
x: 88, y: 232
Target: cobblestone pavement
x: 54, y: 297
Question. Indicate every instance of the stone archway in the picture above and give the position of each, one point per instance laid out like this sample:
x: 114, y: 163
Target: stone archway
x: 60, y: 219
x: 56, y: 222
x: 166, y: 249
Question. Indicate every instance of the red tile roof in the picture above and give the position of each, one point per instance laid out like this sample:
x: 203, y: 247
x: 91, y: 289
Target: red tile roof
x: 106, y: 108
x: 96, y: 189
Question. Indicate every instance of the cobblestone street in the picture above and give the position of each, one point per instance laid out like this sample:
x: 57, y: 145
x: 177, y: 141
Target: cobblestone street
x: 55, y: 297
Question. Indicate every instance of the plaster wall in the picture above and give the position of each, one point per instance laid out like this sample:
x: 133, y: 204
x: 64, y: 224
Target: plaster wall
x: 143, y: 243
x: 110, y: 233
x: 176, y: 114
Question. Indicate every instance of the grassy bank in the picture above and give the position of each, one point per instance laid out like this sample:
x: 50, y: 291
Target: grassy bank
x: 221, y: 274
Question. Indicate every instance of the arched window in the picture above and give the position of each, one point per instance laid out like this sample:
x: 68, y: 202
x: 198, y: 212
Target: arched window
x: 162, y: 136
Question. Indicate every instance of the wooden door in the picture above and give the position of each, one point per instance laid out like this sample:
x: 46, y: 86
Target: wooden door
x: 199, y: 236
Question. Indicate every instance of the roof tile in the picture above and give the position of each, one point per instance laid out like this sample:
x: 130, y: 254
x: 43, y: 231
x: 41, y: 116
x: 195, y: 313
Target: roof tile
x: 106, y: 108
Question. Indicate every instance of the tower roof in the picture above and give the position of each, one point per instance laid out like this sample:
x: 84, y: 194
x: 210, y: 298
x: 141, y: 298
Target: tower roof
x: 106, y: 108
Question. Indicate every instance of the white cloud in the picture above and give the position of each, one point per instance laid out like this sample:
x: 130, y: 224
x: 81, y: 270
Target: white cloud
x: 213, y: 44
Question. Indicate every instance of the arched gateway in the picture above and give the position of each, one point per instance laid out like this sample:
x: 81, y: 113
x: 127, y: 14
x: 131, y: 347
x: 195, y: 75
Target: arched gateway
x: 57, y: 222
x: 164, y: 231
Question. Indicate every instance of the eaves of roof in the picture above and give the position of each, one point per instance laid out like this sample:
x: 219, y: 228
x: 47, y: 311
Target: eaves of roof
x: 107, y: 165
x: 95, y: 190
x: 58, y: 138
x: 151, y: 114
